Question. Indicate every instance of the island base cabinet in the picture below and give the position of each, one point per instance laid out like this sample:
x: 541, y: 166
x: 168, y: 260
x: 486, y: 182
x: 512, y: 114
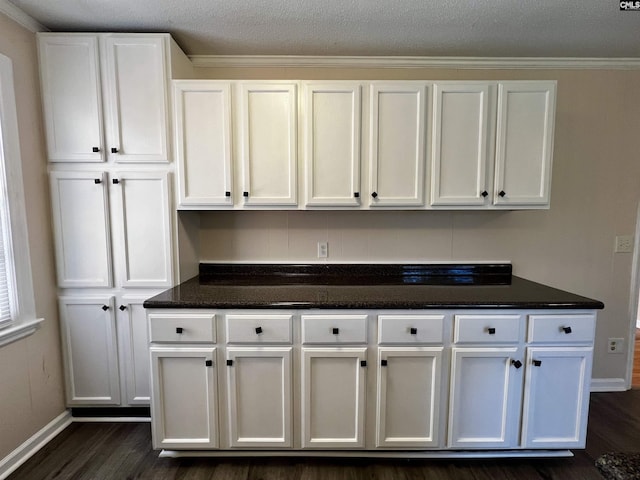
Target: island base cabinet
x: 184, y: 403
x: 556, y: 400
x: 408, y: 408
x: 259, y: 397
x: 333, y: 404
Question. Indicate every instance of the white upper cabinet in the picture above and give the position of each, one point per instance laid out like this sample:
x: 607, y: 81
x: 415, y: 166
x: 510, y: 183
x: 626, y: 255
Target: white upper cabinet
x: 203, y: 142
x: 459, y: 144
x: 524, y: 143
x: 114, y: 81
x: 397, y: 150
x: 268, y: 142
x: 332, y: 143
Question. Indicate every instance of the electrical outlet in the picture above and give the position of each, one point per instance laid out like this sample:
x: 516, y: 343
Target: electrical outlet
x: 615, y: 345
x: 624, y: 244
x: 323, y: 249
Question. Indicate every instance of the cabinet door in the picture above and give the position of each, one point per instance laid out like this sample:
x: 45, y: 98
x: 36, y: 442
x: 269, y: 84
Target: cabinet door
x: 184, y: 402
x: 81, y: 227
x: 133, y: 343
x: 460, y: 134
x: 556, y: 399
x: 202, y: 116
x: 333, y: 404
x: 268, y: 138
x: 524, y: 143
x: 332, y: 144
x: 259, y: 396
x: 408, y: 411
x: 141, y: 222
x: 485, y: 397
x: 397, y: 144
x: 89, y: 347
x: 135, y: 89
x: 70, y: 75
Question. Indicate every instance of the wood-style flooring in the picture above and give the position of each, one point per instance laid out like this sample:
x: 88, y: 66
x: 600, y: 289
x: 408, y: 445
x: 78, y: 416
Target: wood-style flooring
x: 105, y: 451
x: 635, y: 379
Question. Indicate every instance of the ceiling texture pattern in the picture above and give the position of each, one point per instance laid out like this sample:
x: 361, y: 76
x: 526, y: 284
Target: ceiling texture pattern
x: 471, y: 28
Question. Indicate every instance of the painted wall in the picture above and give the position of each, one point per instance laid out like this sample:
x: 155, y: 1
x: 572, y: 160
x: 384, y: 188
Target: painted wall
x: 31, y: 381
x: 594, y: 197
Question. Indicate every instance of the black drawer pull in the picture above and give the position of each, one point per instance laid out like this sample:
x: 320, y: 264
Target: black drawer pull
x: 122, y: 308
x: 105, y: 307
x: 383, y: 363
x: 258, y: 330
x: 356, y: 194
x: 115, y: 181
x: 229, y: 363
x: 97, y: 181
x: 114, y: 150
x: 363, y: 363
x: 179, y: 330
x: 566, y: 330
x: 95, y: 149
x: 516, y: 363
x: 227, y: 194
x: 209, y: 363
x: 245, y: 194
x: 374, y: 194
x: 484, y: 193
x: 335, y: 331
x: 537, y: 363
x: 413, y: 331
x: 502, y: 193
x: 491, y: 331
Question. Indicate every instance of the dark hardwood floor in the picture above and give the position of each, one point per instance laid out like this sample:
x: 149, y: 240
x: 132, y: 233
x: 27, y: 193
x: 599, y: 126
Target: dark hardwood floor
x: 123, y: 451
x: 635, y: 379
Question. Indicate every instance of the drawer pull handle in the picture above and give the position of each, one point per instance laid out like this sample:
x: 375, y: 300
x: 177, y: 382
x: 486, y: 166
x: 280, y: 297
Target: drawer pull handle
x: 122, y: 308
x: 516, y: 363
x: 502, y: 193
x: 537, y: 363
x: 105, y: 307
x: 413, y: 331
x: 491, y: 330
x: 114, y: 150
x: 95, y: 149
x: 209, y: 363
x: 245, y: 194
x: 484, y: 193
x: 179, y: 329
x: 229, y: 363
x: 258, y: 330
x: 227, y: 194
x: 566, y: 330
x: 115, y: 181
x: 97, y: 181
x: 383, y: 363
x: 335, y: 331
x: 356, y: 194
x: 374, y: 194
x: 363, y: 363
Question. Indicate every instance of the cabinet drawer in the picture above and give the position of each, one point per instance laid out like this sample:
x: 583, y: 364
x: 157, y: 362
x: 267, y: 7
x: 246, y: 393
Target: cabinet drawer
x: 198, y: 328
x: 561, y: 328
x: 487, y: 328
x: 258, y: 328
x: 410, y: 329
x: 334, y: 329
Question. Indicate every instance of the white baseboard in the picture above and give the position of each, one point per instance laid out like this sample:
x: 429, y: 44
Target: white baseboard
x: 608, y: 385
x: 31, y: 446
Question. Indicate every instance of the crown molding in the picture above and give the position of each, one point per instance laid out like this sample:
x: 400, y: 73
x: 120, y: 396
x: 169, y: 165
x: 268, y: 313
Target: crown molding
x: 18, y: 16
x: 518, y: 63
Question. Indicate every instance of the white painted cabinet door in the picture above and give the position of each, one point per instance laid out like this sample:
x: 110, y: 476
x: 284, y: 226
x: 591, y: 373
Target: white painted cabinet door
x: 135, y: 77
x: 71, y: 96
x: 524, y: 143
x: 485, y: 397
x: 141, y: 221
x: 81, y: 227
x: 184, y: 402
x: 333, y: 397
x: 259, y: 397
x: 90, y: 351
x: 133, y: 342
x: 202, y: 117
x: 408, y: 410
x: 268, y: 139
x: 397, y: 155
x: 460, y: 138
x: 332, y: 144
x: 556, y: 399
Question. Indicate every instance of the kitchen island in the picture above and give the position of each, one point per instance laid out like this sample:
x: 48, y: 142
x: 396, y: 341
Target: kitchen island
x: 391, y: 360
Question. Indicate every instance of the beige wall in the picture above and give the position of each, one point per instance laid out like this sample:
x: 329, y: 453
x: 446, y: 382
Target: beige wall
x: 31, y: 385
x: 594, y: 197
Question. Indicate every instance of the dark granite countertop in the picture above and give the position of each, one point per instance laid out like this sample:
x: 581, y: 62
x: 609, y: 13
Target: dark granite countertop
x: 346, y: 286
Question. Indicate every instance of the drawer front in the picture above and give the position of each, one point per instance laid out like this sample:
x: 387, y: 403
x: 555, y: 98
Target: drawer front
x: 259, y: 329
x: 410, y: 329
x: 561, y: 328
x: 332, y: 329
x: 487, y: 328
x: 188, y: 328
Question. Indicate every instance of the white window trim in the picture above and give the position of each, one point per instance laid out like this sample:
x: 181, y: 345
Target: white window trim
x: 24, y: 322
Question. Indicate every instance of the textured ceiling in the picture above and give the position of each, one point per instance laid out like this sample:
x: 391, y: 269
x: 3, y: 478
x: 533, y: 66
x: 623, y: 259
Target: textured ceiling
x: 485, y: 28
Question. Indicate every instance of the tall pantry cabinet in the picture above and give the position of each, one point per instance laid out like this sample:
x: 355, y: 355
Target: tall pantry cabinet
x: 107, y: 112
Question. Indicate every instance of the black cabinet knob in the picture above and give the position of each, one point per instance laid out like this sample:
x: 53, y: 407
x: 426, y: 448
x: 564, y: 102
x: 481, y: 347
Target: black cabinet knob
x: 122, y: 308
x: 115, y: 181
x: 114, y: 150
x: 374, y: 194
x: 516, y: 363
x: 413, y: 331
x: 245, y: 194
x: 566, y: 330
x: 491, y: 331
x: 229, y: 363
x: 97, y: 181
x: 383, y: 363
x: 105, y: 307
x: 335, y: 331
x: 209, y: 363
x: 484, y: 193
x: 356, y: 194
x: 95, y: 149
x: 537, y: 363
x: 227, y: 194
x: 502, y: 193
x: 363, y: 363
x: 179, y: 329
x: 258, y: 330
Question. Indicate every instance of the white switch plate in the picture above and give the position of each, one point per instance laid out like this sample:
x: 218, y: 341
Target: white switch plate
x: 624, y: 244
x: 323, y: 249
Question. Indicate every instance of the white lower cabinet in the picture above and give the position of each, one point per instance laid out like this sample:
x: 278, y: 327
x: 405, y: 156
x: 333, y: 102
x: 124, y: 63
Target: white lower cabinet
x: 185, y: 398
x: 333, y: 397
x: 259, y: 396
